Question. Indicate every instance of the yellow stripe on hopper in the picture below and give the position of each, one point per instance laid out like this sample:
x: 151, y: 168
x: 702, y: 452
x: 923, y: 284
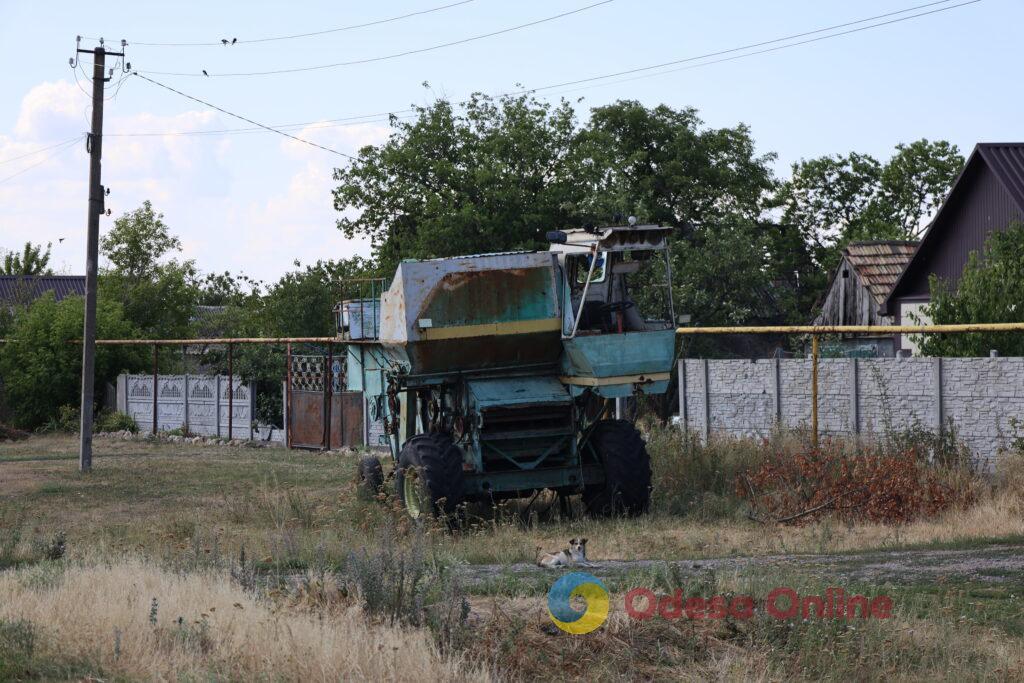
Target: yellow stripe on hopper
x: 491, y: 329
x: 620, y: 379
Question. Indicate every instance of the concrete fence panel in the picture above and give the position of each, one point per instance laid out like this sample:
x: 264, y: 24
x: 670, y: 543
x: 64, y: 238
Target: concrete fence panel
x: 982, y: 399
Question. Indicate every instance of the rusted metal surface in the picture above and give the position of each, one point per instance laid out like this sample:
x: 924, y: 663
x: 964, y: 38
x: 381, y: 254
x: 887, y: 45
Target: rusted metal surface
x: 448, y: 315
x: 347, y: 419
x: 307, y: 419
x: 288, y: 396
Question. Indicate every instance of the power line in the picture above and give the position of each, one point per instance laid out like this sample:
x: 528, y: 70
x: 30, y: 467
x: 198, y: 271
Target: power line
x: 41, y: 149
x: 377, y: 22
x: 768, y: 42
x: 63, y: 147
x: 382, y: 58
x: 329, y: 123
x: 247, y: 120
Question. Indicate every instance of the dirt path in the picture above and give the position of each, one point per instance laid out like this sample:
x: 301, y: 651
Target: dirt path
x: 987, y: 564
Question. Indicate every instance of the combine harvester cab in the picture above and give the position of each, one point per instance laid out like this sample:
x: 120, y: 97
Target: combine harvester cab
x: 494, y: 374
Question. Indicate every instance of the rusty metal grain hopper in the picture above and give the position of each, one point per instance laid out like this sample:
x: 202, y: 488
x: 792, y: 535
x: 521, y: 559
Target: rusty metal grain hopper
x: 470, y: 313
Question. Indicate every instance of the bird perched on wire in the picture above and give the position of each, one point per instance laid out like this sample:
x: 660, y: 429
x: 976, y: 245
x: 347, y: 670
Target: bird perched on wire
x: 224, y: 41
x: 204, y: 73
x: 234, y: 40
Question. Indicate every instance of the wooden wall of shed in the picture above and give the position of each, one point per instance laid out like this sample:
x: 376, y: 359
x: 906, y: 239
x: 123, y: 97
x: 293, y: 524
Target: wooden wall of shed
x: 849, y: 302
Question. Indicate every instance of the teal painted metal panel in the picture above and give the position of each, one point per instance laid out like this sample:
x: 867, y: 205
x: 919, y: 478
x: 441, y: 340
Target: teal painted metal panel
x: 512, y: 391
x: 612, y: 355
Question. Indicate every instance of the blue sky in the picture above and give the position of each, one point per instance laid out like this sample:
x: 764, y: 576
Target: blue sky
x: 255, y: 202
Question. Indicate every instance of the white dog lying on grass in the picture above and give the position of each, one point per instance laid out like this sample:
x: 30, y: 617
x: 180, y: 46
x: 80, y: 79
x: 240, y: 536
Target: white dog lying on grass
x: 573, y: 556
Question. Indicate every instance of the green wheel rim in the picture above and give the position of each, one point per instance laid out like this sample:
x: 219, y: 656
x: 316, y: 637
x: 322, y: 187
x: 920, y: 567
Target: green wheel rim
x: 412, y: 493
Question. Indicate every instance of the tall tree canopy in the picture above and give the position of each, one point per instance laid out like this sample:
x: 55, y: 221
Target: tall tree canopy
x: 158, y: 294
x: 835, y: 200
x: 491, y: 176
x: 31, y: 260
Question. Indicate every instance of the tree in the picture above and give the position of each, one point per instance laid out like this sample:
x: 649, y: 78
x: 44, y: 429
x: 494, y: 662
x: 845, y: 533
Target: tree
x: 835, y: 200
x: 159, y: 294
x: 661, y: 165
x: 300, y: 304
x: 495, y: 176
x: 42, y: 371
x: 991, y: 290
x: 31, y: 261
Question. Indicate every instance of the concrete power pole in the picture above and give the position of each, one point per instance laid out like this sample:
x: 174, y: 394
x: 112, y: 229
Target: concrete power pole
x: 95, y: 147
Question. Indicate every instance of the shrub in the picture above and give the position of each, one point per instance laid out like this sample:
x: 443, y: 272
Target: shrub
x: 11, y: 434
x: 67, y: 420
x: 115, y: 421
x: 870, y: 486
x: 42, y: 371
x: 691, y: 478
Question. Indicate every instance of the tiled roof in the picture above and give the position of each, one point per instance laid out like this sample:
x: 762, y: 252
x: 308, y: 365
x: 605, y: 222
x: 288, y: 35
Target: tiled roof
x: 19, y: 288
x: 879, y: 264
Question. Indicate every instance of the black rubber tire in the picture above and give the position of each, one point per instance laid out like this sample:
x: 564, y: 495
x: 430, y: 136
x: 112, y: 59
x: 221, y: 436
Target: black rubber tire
x: 622, y: 453
x: 437, y: 462
x: 371, y: 476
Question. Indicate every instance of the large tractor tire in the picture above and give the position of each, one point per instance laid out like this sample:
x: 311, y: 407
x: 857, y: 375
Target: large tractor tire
x: 622, y: 453
x: 429, y: 476
x: 371, y: 477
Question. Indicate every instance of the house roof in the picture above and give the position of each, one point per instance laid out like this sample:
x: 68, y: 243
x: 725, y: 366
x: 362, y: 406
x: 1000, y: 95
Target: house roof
x: 1006, y: 162
x: 16, y: 288
x: 879, y: 264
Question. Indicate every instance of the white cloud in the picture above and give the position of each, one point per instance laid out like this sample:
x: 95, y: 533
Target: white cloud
x: 51, y: 111
x: 238, y: 202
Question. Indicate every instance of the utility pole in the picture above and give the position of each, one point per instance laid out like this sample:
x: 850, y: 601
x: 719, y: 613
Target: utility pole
x: 95, y: 148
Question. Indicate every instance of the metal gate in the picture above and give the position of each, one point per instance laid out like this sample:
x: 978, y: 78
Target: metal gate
x: 319, y: 414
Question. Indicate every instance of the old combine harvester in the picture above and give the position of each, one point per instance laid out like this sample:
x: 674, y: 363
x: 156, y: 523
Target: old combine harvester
x: 495, y: 374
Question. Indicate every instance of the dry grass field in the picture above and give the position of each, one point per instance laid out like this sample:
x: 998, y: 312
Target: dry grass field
x: 184, y: 561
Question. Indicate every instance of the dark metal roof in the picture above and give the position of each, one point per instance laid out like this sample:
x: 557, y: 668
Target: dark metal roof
x: 22, y: 288
x: 879, y: 264
x: 1005, y: 161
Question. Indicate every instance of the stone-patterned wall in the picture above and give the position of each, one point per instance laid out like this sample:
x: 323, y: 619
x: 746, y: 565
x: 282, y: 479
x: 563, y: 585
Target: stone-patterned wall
x: 983, y: 398
x: 198, y: 402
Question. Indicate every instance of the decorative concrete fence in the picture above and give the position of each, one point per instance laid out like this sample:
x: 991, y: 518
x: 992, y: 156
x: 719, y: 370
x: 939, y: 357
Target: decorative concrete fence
x: 982, y: 399
x: 196, y: 403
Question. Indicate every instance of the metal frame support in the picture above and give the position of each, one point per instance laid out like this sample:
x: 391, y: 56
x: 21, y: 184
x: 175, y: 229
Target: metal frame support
x: 328, y: 395
x: 155, y: 383
x: 288, y: 395
x: 231, y: 392
x: 814, y: 390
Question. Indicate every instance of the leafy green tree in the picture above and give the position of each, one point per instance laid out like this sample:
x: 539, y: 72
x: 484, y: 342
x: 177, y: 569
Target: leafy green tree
x: 990, y: 290
x: 491, y: 177
x: 158, y: 293
x: 300, y: 304
x: 663, y: 166
x: 42, y: 371
x: 31, y: 261
x: 835, y: 200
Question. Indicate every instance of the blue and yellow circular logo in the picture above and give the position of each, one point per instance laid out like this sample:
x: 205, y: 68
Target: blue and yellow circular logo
x: 587, y: 587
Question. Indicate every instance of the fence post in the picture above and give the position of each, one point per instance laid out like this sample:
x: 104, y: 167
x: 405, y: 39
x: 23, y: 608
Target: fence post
x: 288, y: 396
x: 155, y: 387
x: 937, y: 383
x: 185, y: 421
x: 231, y: 392
x: 684, y: 418
x: 814, y: 390
x: 777, y: 381
x: 854, y: 398
x: 707, y: 400
x: 216, y: 403
x: 329, y: 389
